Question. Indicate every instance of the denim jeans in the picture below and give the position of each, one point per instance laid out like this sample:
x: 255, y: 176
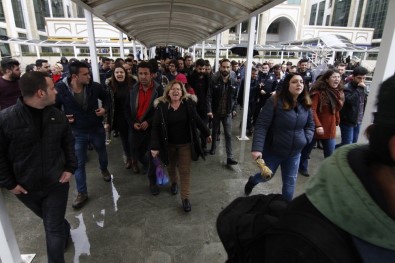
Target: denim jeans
x: 289, y: 171
x: 349, y: 134
x: 50, y: 206
x: 328, y: 148
x: 227, y: 124
x: 97, y: 138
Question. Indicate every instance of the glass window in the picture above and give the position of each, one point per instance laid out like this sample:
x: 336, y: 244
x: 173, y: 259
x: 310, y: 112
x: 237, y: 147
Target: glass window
x: 45, y: 49
x: 273, y: 28
x: 232, y: 29
x: 320, y: 17
x: 18, y: 14
x: 244, y: 27
x: 313, y: 14
x: 2, y: 17
x: 80, y: 12
x: 57, y: 8
x: 293, y: 2
x: 328, y: 18
x: 24, y: 48
x: 41, y: 10
x: 341, y: 12
x: 358, y: 19
x: 376, y: 12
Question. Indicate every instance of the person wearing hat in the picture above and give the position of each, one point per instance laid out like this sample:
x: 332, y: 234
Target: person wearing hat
x: 181, y: 77
x: 352, y: 194
x: 9, y: 82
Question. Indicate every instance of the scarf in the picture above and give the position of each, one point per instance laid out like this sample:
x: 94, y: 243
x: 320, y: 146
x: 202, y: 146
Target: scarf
x: 334, y: 97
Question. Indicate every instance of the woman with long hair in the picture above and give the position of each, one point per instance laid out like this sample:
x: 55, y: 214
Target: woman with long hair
x: 327, y: 100
x: 174, y: 136
x: 119, y: 86
x: 284, y: 126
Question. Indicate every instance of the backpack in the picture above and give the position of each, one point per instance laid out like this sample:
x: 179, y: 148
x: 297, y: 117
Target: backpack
x: 266, y: 229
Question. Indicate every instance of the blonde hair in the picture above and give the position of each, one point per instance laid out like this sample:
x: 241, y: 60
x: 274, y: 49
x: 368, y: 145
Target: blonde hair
x: 57, y: 66
x: 170, y: 85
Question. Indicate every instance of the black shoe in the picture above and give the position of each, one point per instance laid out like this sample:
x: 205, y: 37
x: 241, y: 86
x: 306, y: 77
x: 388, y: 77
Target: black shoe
x: 80, y: 200
x: 106, y: 175
x: 304, y: 173
x: 249, y: 133
x: 218, y: 138
x: 205, y: 152
x: 154, y: 189
x: 115, y: 134
x: 212, y: 152
x: 231, y: 161
x: 186, y: 205
x: 174, y: 188
x: 249, y: 186
x: 90, y: 147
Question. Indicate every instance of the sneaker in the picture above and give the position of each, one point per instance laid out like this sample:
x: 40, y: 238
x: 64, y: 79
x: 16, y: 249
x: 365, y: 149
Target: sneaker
x: 106, y: 175
x: 80, y: 200
x: 154, y: 189
x: 186, y: 205
x: 249, y: 186
x: 304, y: 173
x: 231, y: 161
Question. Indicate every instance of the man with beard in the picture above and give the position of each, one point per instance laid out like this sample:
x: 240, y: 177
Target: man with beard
x: 306, y: 73
x: 188, y: 65
x: 200, y: 81
x: 9, y: 82
x: 221, y: 107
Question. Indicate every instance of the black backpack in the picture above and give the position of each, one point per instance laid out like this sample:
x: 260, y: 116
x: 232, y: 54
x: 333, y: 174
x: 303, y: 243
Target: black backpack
x: 265, y: 228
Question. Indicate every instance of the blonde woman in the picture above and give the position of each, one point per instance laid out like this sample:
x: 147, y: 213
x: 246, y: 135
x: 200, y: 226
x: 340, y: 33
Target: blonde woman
x: 174, y: 136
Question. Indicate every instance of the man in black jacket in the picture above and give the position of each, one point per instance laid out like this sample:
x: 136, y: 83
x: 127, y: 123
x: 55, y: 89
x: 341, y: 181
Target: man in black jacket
x: 37, y: 157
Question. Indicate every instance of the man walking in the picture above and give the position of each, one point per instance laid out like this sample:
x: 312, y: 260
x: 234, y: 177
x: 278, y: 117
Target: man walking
x: 221, y: 107
x: 79, y: 98
x: 37, y: 157
x: 9, y: 87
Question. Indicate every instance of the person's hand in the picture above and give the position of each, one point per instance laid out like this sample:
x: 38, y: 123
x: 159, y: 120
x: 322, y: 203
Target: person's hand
x: 144, y: 125
x: 18, y: 190
x: 65, y: 178
x: 234, y: 113
x: 263, y: 92
x: 100, y: 111
x: 70, y: 118
x: 319, y: 130
x: 256, y: 155
x: 137, y: 126
x: 209, y: 139
x: 210, y: 115
x: 154, y: 153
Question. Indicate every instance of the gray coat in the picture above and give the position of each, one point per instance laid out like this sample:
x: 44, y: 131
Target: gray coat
x: 290, y: 130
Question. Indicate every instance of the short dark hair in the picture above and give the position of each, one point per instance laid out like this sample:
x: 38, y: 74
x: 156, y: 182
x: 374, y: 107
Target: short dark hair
x: 360, y: 71
x: 39, y: 62
x: 9, y: 63
x: 200, y: 62
x: 118, y: 60
x: 144, y: 64
x: 74, y: 67
x: 128, y: 60
x: 30, y: 67
x: 224, y: 60
x: 154, y: 65
x: 175, y: 62
x: 32, y: 81
x: 234, y: 62
x: 303, y: 60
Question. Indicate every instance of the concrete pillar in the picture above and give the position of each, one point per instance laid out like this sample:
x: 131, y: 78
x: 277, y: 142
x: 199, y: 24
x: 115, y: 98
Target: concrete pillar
x: 384, y: 69
x: 247, y: 79
x: 203, y: 46
x: 239, y: 32
x: 121, y: 46
x: 217, y: 52
x: 92, y: 45
x: 134, y: 49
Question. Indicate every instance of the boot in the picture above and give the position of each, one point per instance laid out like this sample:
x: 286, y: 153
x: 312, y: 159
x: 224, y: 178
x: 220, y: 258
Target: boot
x: 135, y: 166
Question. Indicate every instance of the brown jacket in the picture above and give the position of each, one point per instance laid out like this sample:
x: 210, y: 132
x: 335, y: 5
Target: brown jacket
x: 324, y: 119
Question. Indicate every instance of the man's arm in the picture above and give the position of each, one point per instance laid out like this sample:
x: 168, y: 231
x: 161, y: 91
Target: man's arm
x: 67, y: 145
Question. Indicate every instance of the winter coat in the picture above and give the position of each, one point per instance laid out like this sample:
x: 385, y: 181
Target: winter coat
x: 85, y: 118
x: 159, y: 136
x: 29, y: 159
x: 215, y: 92
x: 283, y: 132
x: 351, y: 108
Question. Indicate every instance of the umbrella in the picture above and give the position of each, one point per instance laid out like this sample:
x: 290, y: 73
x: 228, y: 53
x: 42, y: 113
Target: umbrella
x: 241, y: 50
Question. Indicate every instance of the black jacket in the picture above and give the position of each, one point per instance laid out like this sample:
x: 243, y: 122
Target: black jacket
x: 200, y: 86
x: 29, y: 159
x: 159, y: 136
x: 351, y: 108
x: 215, y: 92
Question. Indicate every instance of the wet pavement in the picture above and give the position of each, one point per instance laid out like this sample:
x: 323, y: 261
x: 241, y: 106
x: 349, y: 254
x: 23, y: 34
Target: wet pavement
x: 123, y: 222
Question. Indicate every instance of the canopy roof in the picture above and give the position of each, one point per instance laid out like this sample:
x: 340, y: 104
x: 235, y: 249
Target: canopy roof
x: 174, y: 22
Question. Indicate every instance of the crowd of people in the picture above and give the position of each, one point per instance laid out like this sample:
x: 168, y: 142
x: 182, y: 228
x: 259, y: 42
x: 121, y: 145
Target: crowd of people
x: 169, y: 108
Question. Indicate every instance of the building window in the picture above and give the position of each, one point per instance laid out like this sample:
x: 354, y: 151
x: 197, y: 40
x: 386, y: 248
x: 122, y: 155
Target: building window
x: 328, y: 18
x: 232, y: 29
x: 358, y: 19
x: 376, y: 12
x: 4, y: 47
x: 80, y: 12
x: 320, y: 17
x: 313, y: 14
x: 57, y: 8
x: 341, y: 12
x: 293, y: 2
x: 41, y: 10
x: 244, y: 27
x: 24, y: 48
x: 18, y: 14
x: 2, y: 16
x: 45, y: 49
x: 273, y: 28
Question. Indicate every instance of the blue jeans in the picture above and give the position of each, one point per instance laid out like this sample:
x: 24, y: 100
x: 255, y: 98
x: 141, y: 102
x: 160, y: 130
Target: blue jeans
x: 97, y: 138
x: 289, y: 171
x: 349, y: 134
x: 328, y: 148
x: 227, y: 124
x: 50, y: 205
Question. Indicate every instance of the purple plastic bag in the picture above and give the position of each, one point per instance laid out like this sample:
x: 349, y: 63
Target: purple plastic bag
x: 161, y: 176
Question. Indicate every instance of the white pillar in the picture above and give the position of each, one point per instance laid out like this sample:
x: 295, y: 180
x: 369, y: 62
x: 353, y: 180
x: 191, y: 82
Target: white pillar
x: 247, y: 78
x: 92, y: 45
x: 227, y: 53
x: 134, y: 49
x: 239, y: 31
x: 75, y: 51
x: 121, y: 46
x: 257, y: 29
x: 384, y: 69
x: 203, y: 46
x: 38, y: 52
x: 110, y: 48
x: 194, y: 53
x: 9, y: 250
x: 217, y: 52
